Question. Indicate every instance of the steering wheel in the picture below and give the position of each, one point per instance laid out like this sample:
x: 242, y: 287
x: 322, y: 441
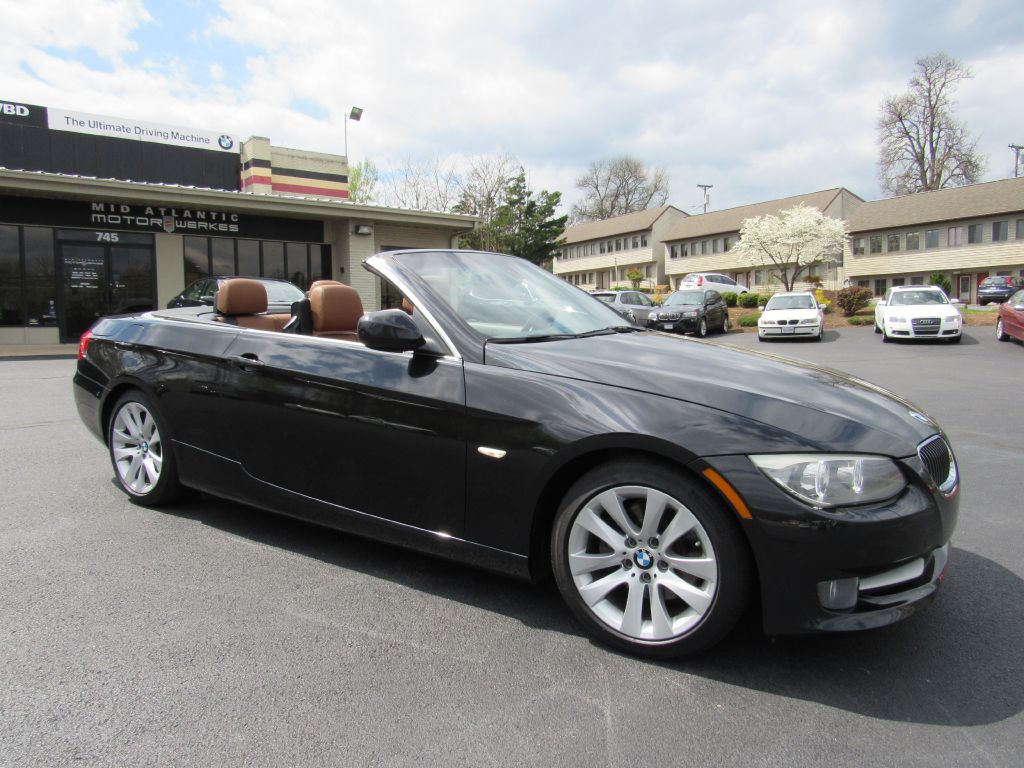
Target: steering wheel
x: 542, y: 320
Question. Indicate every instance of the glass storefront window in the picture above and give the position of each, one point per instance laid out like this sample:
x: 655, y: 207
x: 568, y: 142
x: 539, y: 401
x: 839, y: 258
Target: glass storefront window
x: 222, y: 256
x: 40, y: 277
x: 249, y: 257
x: 298, y: 264
x: 273, y: 260
x: 197, y: 258
x: 10, y: 276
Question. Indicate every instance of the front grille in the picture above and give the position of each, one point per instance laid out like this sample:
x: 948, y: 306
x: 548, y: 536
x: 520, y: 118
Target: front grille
x: 938, y: 460
x: 793, y: 322
x: 926, y: 326
x: 668, y: 316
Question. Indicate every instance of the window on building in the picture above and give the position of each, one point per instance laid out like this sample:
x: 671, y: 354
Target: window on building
x: 858, y: 246
x: 975, y: 233
x: 864, y: 283
x: 602, y: 246
x: 727, y: 243
x: 248, y: 257
x: 999, y: 232
x: 913, y: 241
x: 672, y: 254
x: 643, y: 241
x: 897, y: 281
x: 686, y: 249
x: 636, y: 241
x: 703, y: 246
x: 222, y: 256
x: 956, y: 236
x: 593, y: 248
x: 618, y: 245
x: 27, y: 276
x: 1020, y: 229
x: 875, y: 244
x: 931, y: 238
x: 880, y: 286
x: 893, y: 244
x: 758, y: 277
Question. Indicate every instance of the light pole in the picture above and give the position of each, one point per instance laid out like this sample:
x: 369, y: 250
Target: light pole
x: 355, y: 114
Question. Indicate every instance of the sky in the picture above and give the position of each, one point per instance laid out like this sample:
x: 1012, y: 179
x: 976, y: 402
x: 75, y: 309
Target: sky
x: 760, y: 100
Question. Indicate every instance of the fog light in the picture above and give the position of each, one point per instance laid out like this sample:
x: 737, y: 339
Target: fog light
x: 838, y: 594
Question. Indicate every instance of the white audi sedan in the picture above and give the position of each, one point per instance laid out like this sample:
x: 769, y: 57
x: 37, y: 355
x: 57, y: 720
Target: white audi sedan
x: 791, y: 315
x: 917, y: 312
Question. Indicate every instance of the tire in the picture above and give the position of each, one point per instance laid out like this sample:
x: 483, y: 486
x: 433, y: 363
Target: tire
x: 760, y: 337
x: 956, y: 339
x: 725, y: 324
x: 688, y: 573
x: 140, y: 451
x: 877, y: 329
x: 702, y: 328
x: 821, y: 333
x: 885, y: 337
x: 1001, y: 333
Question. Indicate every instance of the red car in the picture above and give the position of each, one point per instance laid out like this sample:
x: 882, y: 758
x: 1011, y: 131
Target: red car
x: 1010, y: 323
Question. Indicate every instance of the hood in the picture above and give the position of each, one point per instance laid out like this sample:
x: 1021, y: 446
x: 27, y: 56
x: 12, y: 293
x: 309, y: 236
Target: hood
x: 921, y: 310
x: 789, y: 314
x: 803, y: 405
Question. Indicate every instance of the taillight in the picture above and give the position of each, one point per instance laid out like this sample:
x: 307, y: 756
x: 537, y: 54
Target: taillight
x: 83, y: 344
x: 700, y: 280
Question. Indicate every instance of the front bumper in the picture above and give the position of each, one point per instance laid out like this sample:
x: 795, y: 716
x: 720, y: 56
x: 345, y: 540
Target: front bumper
x: 788, y: 330
x: 840, y: 570
x: 680, y: 325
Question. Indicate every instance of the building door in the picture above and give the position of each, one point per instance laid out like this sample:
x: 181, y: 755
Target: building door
x: 964, y: 289
x: 103, y: 273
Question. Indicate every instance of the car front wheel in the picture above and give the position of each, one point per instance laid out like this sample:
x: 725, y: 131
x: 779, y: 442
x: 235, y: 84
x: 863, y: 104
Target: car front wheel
x: 649, y: 561
x: 141, y: 453
x: 1001, y: 333
x: 702, y: 328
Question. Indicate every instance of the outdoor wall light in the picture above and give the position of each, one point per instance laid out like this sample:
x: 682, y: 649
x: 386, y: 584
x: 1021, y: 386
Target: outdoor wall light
x: 363, y: 229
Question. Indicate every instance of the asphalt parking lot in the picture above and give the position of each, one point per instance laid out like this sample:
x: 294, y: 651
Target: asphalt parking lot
x: 216, y: 634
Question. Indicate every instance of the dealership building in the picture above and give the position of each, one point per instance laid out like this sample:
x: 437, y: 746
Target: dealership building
x: 101, y: 215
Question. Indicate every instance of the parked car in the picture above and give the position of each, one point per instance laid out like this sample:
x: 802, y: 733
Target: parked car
x: 201, y: 292
x: 663, y: 481
x: 997, y: 288
x: 1010, y: 322
x: 790, y: 316
x: 634, y: 305
x: 917, y: 312
x: 691, y: 311
x: 717, y: 281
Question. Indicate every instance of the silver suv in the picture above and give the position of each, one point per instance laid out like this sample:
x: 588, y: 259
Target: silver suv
x: 633, y: 305
x: 714, y: 280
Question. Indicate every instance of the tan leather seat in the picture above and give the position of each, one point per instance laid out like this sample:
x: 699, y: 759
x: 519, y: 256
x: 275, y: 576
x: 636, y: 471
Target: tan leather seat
x: 336, y: 311
x: 243, y: 302
x: 316, y: 283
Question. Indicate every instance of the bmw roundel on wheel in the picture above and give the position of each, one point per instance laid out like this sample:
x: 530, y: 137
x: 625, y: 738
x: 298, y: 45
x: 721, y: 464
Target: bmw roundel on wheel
x: 493, y: 420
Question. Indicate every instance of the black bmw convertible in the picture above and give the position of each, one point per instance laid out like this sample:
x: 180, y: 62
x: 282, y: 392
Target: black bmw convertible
x: 508, y: 420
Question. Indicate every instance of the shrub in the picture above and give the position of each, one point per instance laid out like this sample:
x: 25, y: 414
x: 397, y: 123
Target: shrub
x: 748, y: 300
x: 942, y: 281
x: 748, y: 321
x: 853, y: 299
x: 730, y: 298
x: 620, y: 288
x: 861, y: 320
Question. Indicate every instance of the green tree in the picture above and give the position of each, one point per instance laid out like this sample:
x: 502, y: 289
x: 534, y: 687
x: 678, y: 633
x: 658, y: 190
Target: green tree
x: 525, y: 225
x: 635, y: 276
x: 362, y: 182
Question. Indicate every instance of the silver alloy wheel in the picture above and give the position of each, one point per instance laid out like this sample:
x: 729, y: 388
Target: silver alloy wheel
x: 642, y: 563
x: 725, y: 324
x: 702, y: 328
x: 1000, y: 331
x: 137, y: 448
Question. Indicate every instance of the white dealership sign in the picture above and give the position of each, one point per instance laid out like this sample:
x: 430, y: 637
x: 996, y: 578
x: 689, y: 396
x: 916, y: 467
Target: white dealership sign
x: 122, y: 128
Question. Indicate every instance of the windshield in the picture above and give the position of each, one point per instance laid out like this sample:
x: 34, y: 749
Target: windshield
x: 907, y: 298
x: 283, y: 293
x: 504, y: 297
x: 790, y: 302
x: 607, y: 298
x: 685, y: 297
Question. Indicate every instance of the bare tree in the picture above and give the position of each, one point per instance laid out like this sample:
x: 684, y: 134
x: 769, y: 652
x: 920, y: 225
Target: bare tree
x: 922, y: 145
x: 422, y: 186
x: 618, y: 186
x: 484, y: 192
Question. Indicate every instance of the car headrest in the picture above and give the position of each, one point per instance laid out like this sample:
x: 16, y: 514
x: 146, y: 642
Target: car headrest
x: 316, y: 283
x: 241, y: 296
x: 335, y: 307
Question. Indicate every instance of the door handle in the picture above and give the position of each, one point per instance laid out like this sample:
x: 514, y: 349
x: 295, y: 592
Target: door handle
x: 249, y: 361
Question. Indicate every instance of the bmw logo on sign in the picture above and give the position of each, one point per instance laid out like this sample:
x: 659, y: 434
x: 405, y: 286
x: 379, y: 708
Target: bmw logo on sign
x: 225, y: 142
x: 643, y: 559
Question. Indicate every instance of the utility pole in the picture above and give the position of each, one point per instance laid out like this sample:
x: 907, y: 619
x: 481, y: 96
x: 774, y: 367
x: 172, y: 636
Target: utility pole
x: 1016, y: 158
x: 707, y: 199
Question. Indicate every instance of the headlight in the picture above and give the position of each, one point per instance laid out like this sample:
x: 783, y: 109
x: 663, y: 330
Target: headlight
x: 811, y: 321
x: 690, y: 314
x: 897, y: 319
x: 829, y: 480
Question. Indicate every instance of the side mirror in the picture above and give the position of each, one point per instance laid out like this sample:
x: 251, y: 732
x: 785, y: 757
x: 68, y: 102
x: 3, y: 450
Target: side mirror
x: 955, y: 301
x: 389, y: 330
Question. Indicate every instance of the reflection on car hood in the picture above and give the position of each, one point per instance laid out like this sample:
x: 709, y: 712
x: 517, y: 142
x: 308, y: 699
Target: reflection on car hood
x: 820, y: 408
x: 921, y: 310
x: 797, y: 314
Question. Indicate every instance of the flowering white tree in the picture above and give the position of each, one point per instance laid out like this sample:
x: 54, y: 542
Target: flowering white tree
x: 792, y: 242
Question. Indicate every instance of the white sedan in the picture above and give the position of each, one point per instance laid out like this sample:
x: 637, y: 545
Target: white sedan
x: 789, y: 315
x: 917, y: 312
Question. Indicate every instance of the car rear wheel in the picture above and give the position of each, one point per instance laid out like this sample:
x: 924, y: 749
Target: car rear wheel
x: 649, y: 561
x: 141, y: 453
x: 725, y: 324
x: 1001, y: 333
